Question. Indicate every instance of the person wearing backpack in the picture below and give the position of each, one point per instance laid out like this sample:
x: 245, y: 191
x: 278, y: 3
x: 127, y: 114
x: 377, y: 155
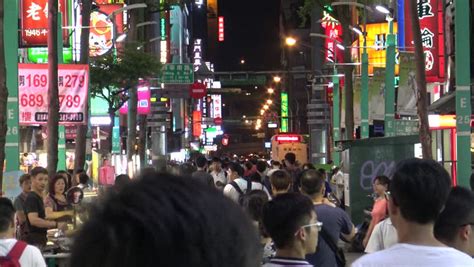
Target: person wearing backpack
x: 14, y: 253
x: 239, y: 187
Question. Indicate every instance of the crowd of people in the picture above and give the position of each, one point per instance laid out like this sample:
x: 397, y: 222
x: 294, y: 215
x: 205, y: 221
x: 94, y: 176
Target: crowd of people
x: 222, y: 212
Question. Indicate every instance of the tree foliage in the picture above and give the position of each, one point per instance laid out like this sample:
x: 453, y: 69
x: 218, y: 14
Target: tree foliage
x: 111, y: 74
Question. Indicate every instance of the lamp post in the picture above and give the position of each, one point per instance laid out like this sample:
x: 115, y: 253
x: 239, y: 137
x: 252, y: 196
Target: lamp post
x: 463, y: 93
x: 364, y: 98
x: 389, y: 75
x: 336, y: 120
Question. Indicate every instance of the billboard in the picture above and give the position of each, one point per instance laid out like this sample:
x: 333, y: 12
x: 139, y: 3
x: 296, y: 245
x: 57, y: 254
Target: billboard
x: 377, y: 95
x: 34, y: 22
x: 73, y: 81
x: 406, y: 100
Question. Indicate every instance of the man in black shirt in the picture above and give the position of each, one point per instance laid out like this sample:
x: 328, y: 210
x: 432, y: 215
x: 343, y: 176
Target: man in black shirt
x: 34, y: 209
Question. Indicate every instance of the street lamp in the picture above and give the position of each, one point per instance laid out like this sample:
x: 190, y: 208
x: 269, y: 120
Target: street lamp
x: 269, y: 101
x: 382, y: 9
x: 276, y: 79
x: 265, y: 107
x: 336, y: 121
x: 290, y: 41
x: 129, y: 7
x: 270, y: 90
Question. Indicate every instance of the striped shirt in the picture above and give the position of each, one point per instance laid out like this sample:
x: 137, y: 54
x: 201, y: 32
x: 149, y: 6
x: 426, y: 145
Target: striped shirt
x: 282, y: 262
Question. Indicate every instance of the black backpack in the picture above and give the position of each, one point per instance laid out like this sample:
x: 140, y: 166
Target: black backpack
x: 241, y: 193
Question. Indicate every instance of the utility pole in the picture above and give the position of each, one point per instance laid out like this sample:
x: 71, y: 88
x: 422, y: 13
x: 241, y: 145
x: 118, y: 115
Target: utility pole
x: 53, y: 98
x: 390, y: 81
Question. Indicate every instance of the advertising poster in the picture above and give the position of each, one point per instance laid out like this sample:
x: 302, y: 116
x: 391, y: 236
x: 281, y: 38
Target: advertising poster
x: 73, y: 81
x: 406, y: 100
x: 357, y: 86
x: 377, y: 95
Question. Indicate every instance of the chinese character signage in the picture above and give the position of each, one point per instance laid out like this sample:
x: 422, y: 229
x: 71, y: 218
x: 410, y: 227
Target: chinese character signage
x: 376, y: 42
x: 333, y: 29
x: 430, y: 14
x: 34, y: 22
x: 73, y: 83
x: 216, y: 106
x: 284, y: 112
x: 221, y: 29
x: 177, y: 74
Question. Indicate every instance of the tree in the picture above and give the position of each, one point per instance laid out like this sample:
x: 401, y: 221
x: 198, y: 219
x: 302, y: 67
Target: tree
x: 53, y: 89
x: 422, y: 96
x: 112, y: 78
x: 80, y: 158
x: 3, y: 98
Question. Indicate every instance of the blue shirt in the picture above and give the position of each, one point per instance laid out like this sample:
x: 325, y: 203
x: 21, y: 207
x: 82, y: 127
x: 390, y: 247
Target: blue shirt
x: 335, y: 221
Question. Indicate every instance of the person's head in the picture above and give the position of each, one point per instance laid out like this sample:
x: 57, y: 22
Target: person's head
x: 75, y: 195
x: 121, y: 181
x: 248, y: 165
x: 201, y: 162
x: 186, y: 169
x: 290, y: 221
x: 217, y: 164
x: 290, y: 159
x: 7, y: 217
x: 235, y: 170
x: 77, y: 175
x: 261, y: 166
x: 280, y: 181
x: 276, y: 164
x: 83, y: 178
x: 418, y: 191
x: 159, y: 218
x: 455, y: 225
x: 25, y: 183
x: 57, y: 184
x: 66, y: 176
x: 39, y: 179
x: 381, y: 185
x: 253, y: 204
x: 312, y: 183
x: 308, y: 166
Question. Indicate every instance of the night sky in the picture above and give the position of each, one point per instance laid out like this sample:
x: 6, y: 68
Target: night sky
x: 252, y: 33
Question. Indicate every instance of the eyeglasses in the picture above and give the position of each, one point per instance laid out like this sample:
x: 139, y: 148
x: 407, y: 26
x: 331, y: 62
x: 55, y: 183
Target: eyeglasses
x: 317, y: 224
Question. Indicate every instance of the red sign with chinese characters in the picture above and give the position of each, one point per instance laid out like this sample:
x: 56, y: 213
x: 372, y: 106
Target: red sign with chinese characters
x: 34, y: 22
x: 197, y: 127
x: 221, y: 29
x: 430, y: 13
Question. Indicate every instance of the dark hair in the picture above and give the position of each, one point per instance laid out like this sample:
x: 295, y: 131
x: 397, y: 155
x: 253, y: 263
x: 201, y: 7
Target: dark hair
x: 25, y: 177
x: 290, y: 157
x: 284, y: 215
x: 458, y: 211
x: 308, y: 166
x: 276, y: 163
x: 201, y: 162
x: 159, y: 218
x: 53, y: 181
x: 121, y: 181
x: 311, y: 182
x: 261, y: 166
x: 253, y: 204
x: 68, y: 177
x: 248, y: 165
x: 420, y: 189
x: 38, y: 170
x: 280, y: 179
x: 7, y: 214
x: 83, y: 178
x: 235, y: 167
x: 216, y: 160
x: 383, y: 180
x: 186, y: 169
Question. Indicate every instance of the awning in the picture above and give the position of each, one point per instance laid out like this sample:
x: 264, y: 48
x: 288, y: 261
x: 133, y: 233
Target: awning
x: 445, y: 105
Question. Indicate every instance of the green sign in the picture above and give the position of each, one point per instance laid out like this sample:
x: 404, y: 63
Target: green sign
x: 40, y: 54
x: 241, y: 81
x: 406, y: 127
x: 284, y: 112
x: 116, y: 136
x: 177, y: 74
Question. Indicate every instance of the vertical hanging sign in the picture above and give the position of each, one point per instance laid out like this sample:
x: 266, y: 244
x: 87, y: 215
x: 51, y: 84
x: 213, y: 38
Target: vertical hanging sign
x: 221, y: 29
x: 284, y: 112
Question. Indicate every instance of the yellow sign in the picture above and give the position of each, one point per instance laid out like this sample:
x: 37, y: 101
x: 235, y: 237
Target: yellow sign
x: 376, y: 45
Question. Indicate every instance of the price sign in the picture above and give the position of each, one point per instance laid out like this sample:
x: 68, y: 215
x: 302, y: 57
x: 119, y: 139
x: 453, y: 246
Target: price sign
x: 73, y: 81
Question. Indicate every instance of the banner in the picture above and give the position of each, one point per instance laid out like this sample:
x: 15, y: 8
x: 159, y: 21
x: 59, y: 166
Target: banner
x: 73, y: 82
x: 34, y: 22
x: 356, y: 88
x: 377, y: 95
x: 406, y: 99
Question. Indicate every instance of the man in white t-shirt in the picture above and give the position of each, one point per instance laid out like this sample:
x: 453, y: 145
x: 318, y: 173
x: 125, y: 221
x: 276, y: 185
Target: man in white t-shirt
x: 235, y: 173
x: 383, y: 236
x: 418, y: 193
x: 31, y: 256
